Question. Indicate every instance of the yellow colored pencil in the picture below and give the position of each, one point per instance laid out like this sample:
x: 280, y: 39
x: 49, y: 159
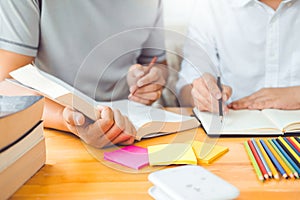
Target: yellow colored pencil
x: 289, y: 148
x: 282, y: 163
x: 253, y: 161
x: 268, y: 160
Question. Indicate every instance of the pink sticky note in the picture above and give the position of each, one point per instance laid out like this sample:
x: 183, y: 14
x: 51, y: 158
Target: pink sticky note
x: 130, y: 156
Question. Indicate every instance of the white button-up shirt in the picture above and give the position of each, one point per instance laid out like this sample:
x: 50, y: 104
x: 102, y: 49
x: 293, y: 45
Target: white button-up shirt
x: 250, y: 45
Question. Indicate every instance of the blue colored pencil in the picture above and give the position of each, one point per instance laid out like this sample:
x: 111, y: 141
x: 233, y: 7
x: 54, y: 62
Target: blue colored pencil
x: 293, y: 166
x: 274, y: 160
x: 262, y: 158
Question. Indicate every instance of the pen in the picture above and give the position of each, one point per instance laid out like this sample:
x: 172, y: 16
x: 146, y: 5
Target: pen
x: 220, y: 100
x: 153, y: 61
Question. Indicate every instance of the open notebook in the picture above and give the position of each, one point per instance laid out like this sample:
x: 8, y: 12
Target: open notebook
x: 251, y: 122
x: 148, y: 121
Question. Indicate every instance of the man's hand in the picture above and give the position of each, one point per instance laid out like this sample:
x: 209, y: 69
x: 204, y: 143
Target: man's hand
x: 279, y: 98
x: 205, y: 93
x: 145, y: 85
x: 111, y: 128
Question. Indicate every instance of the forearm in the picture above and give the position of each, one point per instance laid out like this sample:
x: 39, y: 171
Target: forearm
x: 185, y: 97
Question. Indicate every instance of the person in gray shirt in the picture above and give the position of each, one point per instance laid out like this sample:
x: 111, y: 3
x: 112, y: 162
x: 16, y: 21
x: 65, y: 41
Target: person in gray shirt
x: 102, y: 48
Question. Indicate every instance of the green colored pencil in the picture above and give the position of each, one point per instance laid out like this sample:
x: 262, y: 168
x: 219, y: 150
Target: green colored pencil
x: 253, y: 161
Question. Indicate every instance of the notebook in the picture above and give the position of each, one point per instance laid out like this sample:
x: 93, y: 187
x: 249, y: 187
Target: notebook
x: 132, y: 156
x: 148, y: 120
x: 251, y: 122
x: 213, y: 152
x: 168, y: 154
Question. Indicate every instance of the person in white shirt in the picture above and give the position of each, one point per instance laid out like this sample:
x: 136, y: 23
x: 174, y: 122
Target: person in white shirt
x: 252, y: 45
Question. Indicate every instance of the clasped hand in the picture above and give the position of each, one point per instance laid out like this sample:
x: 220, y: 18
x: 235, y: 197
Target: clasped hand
x: 145, y: 85
x: 111, y: 128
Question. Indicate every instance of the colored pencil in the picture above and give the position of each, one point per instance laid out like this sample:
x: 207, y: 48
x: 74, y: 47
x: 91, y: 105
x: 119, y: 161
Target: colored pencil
x: 268, y: 160
x: 289, y: 153
x: 290, y: 163
x: 258, y: 160
x: 290, y: 149
x: 292, y: 146
x: 262, y: 158
x: 295, y: 144
x: 270, y: 151
x: 253, y: 161
x: 278, y: 156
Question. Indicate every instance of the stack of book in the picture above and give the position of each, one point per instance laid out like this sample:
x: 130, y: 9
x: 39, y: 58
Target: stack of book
x: 22, y: 142
x: 275, y: 158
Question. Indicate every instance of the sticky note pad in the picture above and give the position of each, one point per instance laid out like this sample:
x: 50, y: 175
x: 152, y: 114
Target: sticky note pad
x: 206, y: 153
x: 167, y: 154
x: 130, y: 156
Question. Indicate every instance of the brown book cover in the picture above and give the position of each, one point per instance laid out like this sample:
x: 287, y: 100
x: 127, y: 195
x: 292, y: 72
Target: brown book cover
x: 21, y: 161
x: 18, y: 114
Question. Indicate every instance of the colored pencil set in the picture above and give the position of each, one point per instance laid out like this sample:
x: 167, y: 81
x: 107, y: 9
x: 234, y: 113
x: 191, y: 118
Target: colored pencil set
x: 275, y: 158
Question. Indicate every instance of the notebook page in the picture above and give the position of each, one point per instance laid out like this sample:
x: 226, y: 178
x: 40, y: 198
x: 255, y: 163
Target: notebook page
x: 238, y: 121
x: 283, y: 118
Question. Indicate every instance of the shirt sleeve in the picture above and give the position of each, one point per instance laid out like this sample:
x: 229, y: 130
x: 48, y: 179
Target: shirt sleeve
x: 200, y: 52
x: 155, y: 44
x: 19, y: 26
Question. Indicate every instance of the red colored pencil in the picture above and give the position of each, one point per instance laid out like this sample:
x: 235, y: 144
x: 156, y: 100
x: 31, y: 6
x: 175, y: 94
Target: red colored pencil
x: 258, y: 160
x: 293, y: 143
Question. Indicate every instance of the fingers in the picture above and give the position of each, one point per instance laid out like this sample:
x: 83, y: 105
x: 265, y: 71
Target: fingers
x: 73, y: 117
x: 206, y: 93
x: 141, y: 100
x: 227, y: 92
x: 149, y: 92
x: 210, y: 84
x: 136, y: 70
x: 153, y: 77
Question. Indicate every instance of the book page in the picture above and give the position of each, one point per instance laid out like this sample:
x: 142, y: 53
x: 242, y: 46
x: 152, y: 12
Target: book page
x: 32, y: 77
x: 286, y: 120
x: 140, y: 114
x: 56, y: 89
x: 237, y: 122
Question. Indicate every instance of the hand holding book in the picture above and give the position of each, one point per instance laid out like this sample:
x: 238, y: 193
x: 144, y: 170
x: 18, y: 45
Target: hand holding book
x: 111, y: 127
x: 147, y: 121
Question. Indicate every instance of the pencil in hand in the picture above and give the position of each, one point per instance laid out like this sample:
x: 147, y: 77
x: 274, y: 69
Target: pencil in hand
x: 220, y: 100
x: 151, y: 64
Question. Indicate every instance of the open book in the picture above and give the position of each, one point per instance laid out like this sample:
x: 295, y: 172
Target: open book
x: 251, y: 122
x: 148, y: 121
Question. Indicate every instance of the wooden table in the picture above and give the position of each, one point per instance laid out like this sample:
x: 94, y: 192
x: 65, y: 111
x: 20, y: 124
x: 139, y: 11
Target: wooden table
x: 73, y: 172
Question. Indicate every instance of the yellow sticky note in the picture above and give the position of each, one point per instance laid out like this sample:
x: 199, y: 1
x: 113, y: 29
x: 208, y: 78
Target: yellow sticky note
x: 213, y: 152
x: 167, y: 154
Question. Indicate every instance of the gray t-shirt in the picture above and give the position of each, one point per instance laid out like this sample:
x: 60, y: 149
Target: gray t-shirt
x: 88, y: 44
